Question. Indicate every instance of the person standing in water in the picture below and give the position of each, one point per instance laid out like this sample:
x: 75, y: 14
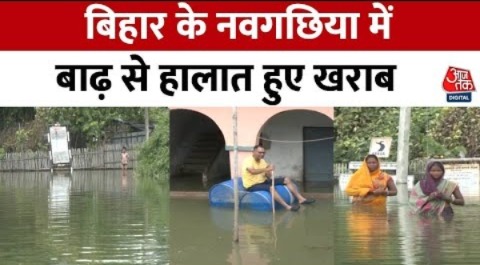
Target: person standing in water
x: 124, y: 161
x: 434, y: 195
x: 369, y: 185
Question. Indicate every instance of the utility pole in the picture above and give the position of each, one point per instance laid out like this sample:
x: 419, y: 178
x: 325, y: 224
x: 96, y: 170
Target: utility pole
x: 402, y: 153
x: 402, y: 187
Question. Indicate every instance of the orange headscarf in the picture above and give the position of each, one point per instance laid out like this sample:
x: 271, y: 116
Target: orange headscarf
x: 363, y: 181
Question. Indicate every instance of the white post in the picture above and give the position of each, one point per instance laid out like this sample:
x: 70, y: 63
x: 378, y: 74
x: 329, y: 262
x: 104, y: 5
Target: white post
x: 402, y: 152
x: 147, y: 124
x: 235, y: 179
x: 402, y: 187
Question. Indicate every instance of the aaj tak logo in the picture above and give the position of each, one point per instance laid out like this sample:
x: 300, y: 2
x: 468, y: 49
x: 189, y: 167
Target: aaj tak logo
x: 458, y: 84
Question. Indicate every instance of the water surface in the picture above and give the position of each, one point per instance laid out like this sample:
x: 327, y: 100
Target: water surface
x: 394, y: 236
x: 203, y: 235
x: 88, y: 217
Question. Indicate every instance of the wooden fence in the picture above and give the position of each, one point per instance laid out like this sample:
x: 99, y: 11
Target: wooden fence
x: 340, y: 168
x: 106, y: 157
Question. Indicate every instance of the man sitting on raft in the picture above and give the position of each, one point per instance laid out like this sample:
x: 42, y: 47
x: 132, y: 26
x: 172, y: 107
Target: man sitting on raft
x: 257, y: 176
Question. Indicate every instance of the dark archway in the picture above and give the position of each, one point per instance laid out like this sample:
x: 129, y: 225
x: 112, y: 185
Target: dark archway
x: 197, y: 151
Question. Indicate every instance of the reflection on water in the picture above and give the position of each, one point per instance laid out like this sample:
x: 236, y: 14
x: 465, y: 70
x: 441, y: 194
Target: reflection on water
x: 300, y: 237
x: 394, y: 236
x: 372, y: 225
x: 84, y: 218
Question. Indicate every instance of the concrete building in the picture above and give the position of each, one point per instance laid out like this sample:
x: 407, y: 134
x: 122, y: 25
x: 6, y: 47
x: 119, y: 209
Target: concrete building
x: 298, y: 141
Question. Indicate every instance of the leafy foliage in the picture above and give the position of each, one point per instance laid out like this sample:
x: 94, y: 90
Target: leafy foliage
x: 154, y: 157
x: 434, y: 132
x: 459, y: 130
x: 89, y: 125
x: 28, y: 136
x: 356, y: 126
x: 21, y: 137
x: 25, y: 128
x: 13, y: 116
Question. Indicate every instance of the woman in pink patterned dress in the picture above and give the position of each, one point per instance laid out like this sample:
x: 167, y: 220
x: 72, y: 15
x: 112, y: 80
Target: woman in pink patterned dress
x: 434, y: 195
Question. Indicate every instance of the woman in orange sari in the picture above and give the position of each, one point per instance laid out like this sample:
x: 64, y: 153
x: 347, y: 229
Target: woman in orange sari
x: 369, y: 185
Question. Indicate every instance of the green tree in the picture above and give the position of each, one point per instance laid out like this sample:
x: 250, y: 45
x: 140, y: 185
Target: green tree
x: 154, y: 156
x: 13, y: 116
x: 2, y: 153
x: 434, y: 132
x: 25, y: 133
x: 354, y: 127
x: 422, y: 143
x: 90, y: 125
x: 458, y: 130
x: 21, y: 137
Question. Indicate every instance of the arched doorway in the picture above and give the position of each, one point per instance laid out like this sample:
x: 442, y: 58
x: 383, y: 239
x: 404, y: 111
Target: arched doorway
x: 300, y: 145
x: 197, y: 151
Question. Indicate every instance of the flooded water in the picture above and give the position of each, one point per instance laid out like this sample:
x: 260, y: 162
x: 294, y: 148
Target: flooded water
x: 89, y: 217
x: 100, y: 217
x: 202, y: 235
x: 394, y: 236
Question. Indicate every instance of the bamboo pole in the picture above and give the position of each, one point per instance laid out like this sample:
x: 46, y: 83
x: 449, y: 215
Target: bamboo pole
x: 273, y: 192
x: 273, y: 211
x: 235, y: 180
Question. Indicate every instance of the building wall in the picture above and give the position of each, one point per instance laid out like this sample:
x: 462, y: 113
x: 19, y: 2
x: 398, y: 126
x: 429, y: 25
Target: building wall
x: 251, y: 120
x: 288, y: 126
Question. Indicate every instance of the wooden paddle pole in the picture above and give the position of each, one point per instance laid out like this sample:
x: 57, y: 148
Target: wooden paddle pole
x: 273, y: 210
x: 273, y: 192
x: 235, y: 179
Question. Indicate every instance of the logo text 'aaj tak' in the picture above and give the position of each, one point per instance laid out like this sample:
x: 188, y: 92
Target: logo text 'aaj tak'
x: 458, y: 84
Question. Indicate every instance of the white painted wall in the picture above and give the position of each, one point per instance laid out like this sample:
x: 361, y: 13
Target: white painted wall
x: 288, y: 157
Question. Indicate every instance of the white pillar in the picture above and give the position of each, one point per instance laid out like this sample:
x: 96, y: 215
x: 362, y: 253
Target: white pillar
x: 405, y: 227
x: 402, y: 153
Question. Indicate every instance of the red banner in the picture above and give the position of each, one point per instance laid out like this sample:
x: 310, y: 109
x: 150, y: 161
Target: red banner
x: 258, y: 26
